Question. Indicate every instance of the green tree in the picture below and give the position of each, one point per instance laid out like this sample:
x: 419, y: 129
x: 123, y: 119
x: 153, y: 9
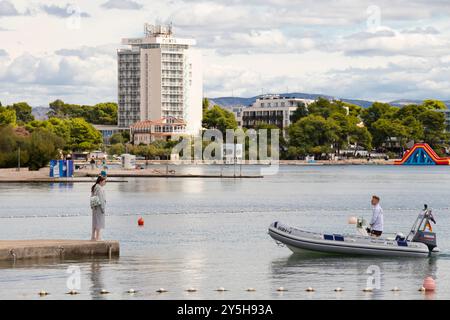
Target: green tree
x: 11, y: 139
x: 414, y: 128
x: 57, y: 109
x: 325, y: 108
x: 83, y: 136
x: 117, y: 138
x: 300, y: 112
x: 7, y: 116
x: 376, y: 111
x: 126, y: 136
x: 360, y: 136
x: 434, y: 105
x: 218, y: 118
x: 44, y: 146
x: 313, y: 135
x: 433, y: 127
x: 205, y: 104
x: 387, y: 129
x: 116, y: 149
x: 101, y: 113
x: 346, y: 124
x: 353, y: 109
x: 410, y: 110
x: 23, y: 112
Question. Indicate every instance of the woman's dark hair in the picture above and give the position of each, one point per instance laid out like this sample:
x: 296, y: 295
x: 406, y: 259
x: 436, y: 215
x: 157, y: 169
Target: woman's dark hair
x: 99, y: 179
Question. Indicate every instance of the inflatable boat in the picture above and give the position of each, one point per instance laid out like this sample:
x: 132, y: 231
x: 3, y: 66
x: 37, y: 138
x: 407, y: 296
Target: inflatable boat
x: 420, y: 242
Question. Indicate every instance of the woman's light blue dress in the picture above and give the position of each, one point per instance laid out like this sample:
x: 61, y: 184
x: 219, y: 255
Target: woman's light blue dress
x: 98, y: 213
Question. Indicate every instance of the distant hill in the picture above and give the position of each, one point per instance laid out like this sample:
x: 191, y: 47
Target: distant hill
x: 404, y: 102
x: 40, y: 113
x: 228, y: 102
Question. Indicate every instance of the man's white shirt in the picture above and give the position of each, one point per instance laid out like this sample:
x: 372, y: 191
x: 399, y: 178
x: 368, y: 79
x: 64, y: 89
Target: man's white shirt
x: 377, y: 218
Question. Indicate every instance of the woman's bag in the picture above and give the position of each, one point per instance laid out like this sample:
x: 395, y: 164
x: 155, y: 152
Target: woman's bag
x: 95, y: 202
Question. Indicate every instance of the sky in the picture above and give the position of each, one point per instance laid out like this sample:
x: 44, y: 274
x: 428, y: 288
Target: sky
x: 375, y: 50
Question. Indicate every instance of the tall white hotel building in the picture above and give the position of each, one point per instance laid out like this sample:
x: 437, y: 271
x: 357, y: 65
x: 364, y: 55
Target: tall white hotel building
x: 160, y: 76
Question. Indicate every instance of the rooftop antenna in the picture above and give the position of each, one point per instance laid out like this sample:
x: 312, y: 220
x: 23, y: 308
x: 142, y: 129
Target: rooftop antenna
x: 149, y: 29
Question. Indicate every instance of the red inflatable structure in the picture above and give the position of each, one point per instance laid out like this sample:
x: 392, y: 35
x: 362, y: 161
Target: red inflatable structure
x: 422, y: 154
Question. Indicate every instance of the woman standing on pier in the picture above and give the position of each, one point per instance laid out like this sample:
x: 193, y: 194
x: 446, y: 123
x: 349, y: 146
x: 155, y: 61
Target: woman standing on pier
x: 98, y: 205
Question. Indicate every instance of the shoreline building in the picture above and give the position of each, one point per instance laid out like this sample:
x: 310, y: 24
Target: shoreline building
x: 270, y: 109
x: 160, y: 76
x: 148, y: 131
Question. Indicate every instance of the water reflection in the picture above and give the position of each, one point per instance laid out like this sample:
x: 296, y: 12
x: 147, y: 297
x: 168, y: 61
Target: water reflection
x: 97, y: 281
x: 355, y: 273
x: 208, y: 233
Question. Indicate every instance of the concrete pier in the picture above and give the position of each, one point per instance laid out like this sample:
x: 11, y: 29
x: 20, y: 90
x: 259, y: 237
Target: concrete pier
x: 56, y: 180
x: 12, y: 250
x: 133, y: 174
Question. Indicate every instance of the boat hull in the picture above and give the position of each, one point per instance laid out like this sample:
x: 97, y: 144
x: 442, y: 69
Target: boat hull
x: 300, y: 241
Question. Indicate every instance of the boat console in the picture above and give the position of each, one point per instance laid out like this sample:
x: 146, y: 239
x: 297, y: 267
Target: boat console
x: 422, y: 231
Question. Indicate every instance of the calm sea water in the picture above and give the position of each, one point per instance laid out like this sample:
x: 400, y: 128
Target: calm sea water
x: 210, y: 233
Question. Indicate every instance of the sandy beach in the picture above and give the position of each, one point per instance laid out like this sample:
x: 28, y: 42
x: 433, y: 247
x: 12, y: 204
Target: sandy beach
x: 12, y: 174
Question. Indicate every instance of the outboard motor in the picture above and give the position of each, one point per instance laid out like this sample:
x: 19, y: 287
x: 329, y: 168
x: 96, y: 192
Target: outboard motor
x: 428, y: 238
x: 419, y: 232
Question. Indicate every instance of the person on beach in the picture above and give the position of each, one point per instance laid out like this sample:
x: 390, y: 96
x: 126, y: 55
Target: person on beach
x: 92, y: 162
x: 98, y: 205
x: 376, y: 223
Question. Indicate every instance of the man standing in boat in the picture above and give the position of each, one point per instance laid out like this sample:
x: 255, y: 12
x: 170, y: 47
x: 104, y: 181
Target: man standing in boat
x: 376, y: 223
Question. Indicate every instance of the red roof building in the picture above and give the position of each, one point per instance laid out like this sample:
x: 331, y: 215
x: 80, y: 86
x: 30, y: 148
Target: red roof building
x: 148, y: 131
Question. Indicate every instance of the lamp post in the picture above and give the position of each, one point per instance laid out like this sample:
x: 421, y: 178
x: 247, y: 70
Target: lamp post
x: 18, y: 159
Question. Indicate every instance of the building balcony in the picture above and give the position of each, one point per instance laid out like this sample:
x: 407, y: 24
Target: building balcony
x: 172, y: 92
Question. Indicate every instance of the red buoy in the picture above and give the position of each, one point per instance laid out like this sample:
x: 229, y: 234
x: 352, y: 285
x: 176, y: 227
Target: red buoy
x: 141, y: 222
x: 429, y: 284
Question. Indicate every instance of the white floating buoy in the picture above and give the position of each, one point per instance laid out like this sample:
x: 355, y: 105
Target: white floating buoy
x: 103, y: 291
x: 422, y: 289
x: 281, y: 289
x: 309, y: 289
x: 73, y: 292
x: 131, y: 291
x: 251, y: 289
x: 221, y: 289
x: 338, y: 289
x: 367, y: 290
x: 191, y: 290
x: 161, y: 290
x: 395, y: 289
x: 43, y: 293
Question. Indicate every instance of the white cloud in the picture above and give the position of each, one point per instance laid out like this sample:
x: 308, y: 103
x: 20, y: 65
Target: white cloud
x: 63, y: 77
x: 65, y: 11
x: 387, y: 41
x: 85, y: 52
x: 260, y: 41
x: 422, y: 30
x: 122, y: 4
x: 271, y: 45
x: 8, y: 9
